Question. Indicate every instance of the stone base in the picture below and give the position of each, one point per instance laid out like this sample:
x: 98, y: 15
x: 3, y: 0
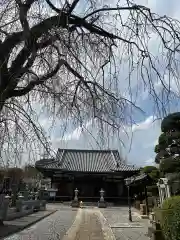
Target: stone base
x: 75, y: 204
x: 154, y: 234
x: 102, y: 204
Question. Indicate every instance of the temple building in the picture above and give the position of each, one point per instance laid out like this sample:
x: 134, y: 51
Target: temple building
x: 88, y: 171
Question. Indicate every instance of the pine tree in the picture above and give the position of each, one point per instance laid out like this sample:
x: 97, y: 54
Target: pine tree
x: 168, y: 147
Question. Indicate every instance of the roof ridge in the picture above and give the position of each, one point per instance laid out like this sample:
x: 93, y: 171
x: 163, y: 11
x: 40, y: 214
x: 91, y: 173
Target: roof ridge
x: 88, y: 150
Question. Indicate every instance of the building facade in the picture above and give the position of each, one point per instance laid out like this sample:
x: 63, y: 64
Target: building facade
x: 88, y: 171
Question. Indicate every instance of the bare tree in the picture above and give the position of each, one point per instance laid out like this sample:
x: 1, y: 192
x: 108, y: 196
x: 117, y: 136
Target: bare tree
x: 69, y: 57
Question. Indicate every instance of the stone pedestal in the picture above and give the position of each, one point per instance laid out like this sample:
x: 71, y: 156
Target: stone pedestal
x: 4, y: 209
x: 102, y: 204
x: 19, y: 203
x: 75, y: 203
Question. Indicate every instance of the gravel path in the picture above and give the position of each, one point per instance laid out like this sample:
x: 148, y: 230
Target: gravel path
x: 53, y: 227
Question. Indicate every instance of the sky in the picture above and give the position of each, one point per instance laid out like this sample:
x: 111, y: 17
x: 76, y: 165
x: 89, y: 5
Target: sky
x: 135, y: 142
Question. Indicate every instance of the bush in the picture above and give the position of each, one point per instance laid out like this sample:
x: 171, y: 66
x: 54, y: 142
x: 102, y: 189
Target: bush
x: 170, y: 165
x: 169, y: 218
x: 171, y: 202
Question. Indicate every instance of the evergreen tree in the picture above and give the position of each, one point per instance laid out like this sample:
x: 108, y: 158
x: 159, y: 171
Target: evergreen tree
x: 168, y: 147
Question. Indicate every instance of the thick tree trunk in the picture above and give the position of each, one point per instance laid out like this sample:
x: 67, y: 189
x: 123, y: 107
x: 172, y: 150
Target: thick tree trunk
x: 2, y: 102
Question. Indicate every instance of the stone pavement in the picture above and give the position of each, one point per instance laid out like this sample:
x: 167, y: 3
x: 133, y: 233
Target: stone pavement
x: 19, y: 224
x: 107, y: 224
x: 53, y: 227
x: 124, y: 230
x: 86, y: 224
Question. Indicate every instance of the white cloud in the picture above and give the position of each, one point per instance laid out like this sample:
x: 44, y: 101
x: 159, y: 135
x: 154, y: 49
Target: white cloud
x: 144, y: 124
x: 73, y: 135
x: 172, y: 84
x: 140, y: 152
x: 76, y: 133
x: 140, y: 143
x: 156, y: 142
x: 152, y: 144
x: 157, y: 88
x: 150, y: 162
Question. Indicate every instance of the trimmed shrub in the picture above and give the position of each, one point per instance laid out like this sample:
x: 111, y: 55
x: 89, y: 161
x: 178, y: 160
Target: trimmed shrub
x: 169, y: 218
x: 171, y: 202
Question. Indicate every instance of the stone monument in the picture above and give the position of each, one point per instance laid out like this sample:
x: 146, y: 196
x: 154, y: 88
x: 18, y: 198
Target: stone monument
x: 75, y: 202
x: 19, y: 203
x: 102, y: 203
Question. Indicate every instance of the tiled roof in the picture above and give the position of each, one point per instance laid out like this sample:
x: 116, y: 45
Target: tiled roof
x: 136, y: 178
x: 86, y: 161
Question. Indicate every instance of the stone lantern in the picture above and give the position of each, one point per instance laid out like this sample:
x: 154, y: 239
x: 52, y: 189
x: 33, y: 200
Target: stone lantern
x: 102, y: 203
x: 76, y: 194
x: 75, y: 202
x: 102, y: 195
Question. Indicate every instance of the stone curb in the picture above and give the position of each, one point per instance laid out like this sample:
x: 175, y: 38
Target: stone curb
x: 73, y: 230
x: 20, y: 228
x: 106, y: 229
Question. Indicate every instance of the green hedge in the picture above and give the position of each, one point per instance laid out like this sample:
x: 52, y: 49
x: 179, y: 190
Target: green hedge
x: 169, y: 218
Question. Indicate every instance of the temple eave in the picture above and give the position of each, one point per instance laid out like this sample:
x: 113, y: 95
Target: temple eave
x: 88, y: 171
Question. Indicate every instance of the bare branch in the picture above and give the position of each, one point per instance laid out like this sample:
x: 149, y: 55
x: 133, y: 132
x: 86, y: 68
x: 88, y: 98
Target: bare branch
x: 38, y: 81
x: 73, y: 5
x: 107, y: 9
x: 83, y: 64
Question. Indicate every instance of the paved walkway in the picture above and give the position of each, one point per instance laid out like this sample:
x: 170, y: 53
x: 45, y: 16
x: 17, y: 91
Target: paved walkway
x: 86, y: 224
x: 53, y: 227
x: 122, y: 228
x: 19, y: 224
x: 107, y: 224
x: 90, y: 224
x: 90, y: 227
